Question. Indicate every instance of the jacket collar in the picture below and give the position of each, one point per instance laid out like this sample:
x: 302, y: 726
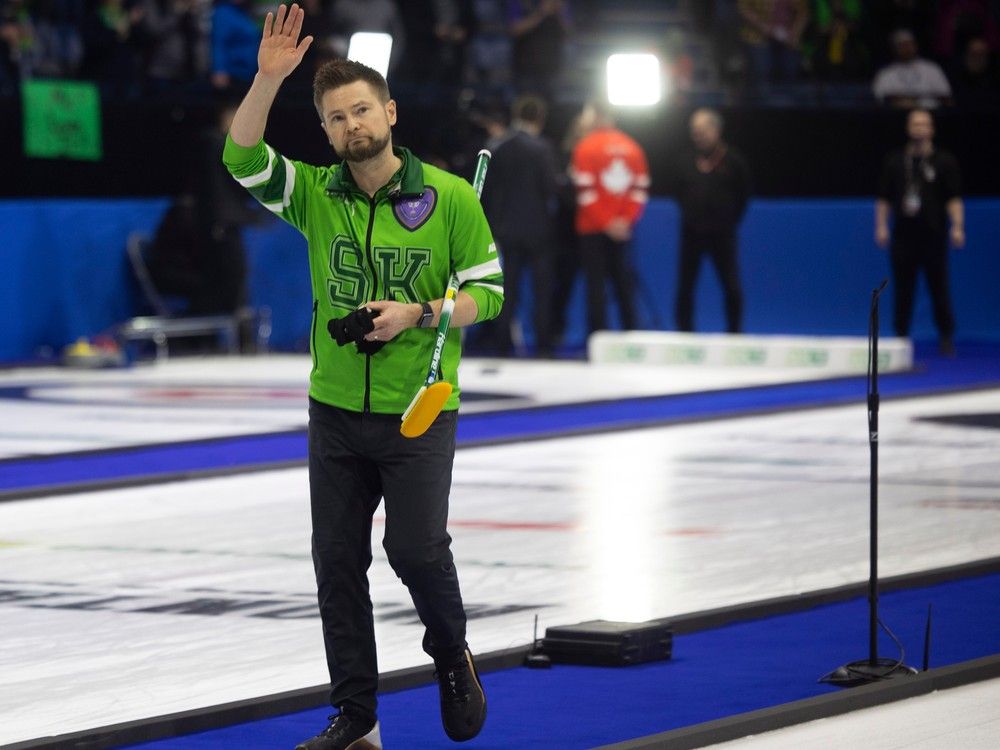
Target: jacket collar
x: 407, y: 182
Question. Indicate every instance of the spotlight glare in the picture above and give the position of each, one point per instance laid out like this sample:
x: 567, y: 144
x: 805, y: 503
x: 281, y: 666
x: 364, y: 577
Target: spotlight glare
x: 372, y: 49
x: 634, y: 79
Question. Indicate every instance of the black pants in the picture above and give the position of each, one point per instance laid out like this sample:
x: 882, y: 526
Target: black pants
x: 603, y: 259
x: 909, y: 255
x: 519, y: 255
x: 721, y: 250
x: 566, y: 268
x: 355, y: 460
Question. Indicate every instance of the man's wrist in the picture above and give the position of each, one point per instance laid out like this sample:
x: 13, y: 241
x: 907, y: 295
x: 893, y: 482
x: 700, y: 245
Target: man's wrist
x: 268, y: 83
x: 425, y: 315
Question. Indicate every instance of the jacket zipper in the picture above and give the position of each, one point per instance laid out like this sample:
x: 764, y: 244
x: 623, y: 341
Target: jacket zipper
x: 371, y: 262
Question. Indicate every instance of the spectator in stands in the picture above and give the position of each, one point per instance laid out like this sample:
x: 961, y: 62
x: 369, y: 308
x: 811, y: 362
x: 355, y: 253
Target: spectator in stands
x: 235, y: 37
x: 712, y: 187
x: 490, y: 47
x: 53, y: 33
x: 721, y: 22
x: 771, y: 31
x: 539, y: 30
x: 921, y: 191
x: 12, y: 43
x: 519, y: 199
x: 110, y: 52
x: 839, y: 45
x: 976, y: 79
x: 959, y: 21
x: 612, y: 183
x: 438, y: 35
x: 452, y: 27
x: 328, y: 44
x: 889, y: 15
x: 171, y: 36
x: 910, y: 81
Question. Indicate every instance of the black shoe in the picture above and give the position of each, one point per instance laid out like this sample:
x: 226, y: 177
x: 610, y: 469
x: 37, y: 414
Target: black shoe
x: 463, y: 702
x: 947, y: 347
x: 345, y: 733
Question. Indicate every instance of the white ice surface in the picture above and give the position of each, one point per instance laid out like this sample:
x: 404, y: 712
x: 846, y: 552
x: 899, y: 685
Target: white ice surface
x: 196, y: 398
x: 627, y: 526
x: 962, y: 718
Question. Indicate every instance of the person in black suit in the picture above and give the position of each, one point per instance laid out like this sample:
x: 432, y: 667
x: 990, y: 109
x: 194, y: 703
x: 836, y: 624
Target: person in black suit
x: 712, y: 188
x: 519, y: 198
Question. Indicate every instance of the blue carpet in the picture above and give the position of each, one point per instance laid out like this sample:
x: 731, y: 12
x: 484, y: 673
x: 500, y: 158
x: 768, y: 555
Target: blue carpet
x: 714, y: 674
x: 40, y: 472
x: 975, y: 367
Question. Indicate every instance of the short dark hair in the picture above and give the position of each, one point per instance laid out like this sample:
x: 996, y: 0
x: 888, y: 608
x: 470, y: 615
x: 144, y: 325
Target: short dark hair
x: 530, y: 109
x: 336, y: 73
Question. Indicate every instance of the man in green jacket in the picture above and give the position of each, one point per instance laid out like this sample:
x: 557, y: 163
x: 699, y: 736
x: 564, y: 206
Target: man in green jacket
x: 385, y: 232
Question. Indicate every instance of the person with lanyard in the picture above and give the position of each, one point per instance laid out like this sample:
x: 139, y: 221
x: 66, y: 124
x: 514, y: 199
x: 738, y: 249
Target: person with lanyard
x: 920, y: 190
x: 385, y: 233
x: 712, y: 188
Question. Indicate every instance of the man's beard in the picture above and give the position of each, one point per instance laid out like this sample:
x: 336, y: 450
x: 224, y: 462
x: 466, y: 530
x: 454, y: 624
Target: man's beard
x: 364, y: 150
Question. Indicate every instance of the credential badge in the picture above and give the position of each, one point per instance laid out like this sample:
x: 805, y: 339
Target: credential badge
x: 412, y: 213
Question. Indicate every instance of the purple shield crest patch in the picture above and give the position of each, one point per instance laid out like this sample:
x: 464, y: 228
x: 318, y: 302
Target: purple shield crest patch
x: 412, y: 213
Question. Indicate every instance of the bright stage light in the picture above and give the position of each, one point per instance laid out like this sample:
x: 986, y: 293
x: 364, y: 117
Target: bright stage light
x: 372, y: 49
x: 634, y: 79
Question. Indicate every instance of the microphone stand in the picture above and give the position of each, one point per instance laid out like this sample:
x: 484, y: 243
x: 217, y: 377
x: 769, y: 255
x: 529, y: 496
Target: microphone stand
x: 873, y: 668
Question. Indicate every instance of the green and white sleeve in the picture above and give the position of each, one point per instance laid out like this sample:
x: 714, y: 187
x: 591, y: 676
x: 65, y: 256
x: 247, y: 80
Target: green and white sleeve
x: 474, y: 253
x: 276, y: 182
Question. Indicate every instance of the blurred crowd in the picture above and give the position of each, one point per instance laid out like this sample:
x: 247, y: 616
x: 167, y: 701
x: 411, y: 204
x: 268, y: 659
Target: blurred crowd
x: 784, y: 52
x: 137, y: 48
x: 896, y: 52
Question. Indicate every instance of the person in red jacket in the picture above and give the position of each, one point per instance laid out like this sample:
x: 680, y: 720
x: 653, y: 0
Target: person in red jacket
x: 612, y: 186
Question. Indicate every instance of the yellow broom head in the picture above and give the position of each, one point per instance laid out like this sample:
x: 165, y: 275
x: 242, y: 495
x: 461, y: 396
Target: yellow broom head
x: 425, y: 410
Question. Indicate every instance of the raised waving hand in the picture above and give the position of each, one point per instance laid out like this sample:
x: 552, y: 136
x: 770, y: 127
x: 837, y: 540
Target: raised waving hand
x: 280, y: 49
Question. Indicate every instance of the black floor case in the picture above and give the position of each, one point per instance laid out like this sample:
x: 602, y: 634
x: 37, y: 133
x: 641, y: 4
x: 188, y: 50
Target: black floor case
x: 606, y: 643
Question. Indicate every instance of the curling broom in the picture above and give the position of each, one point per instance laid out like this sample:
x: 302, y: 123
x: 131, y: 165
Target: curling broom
x: 433, y: 394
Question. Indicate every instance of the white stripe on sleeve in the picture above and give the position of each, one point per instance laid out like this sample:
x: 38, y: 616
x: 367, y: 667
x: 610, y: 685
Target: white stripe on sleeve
x: 483, y: 270
x: 261, y: 177
x: 484, y: 285
x: 279, y: 206
x: 289, y: 183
